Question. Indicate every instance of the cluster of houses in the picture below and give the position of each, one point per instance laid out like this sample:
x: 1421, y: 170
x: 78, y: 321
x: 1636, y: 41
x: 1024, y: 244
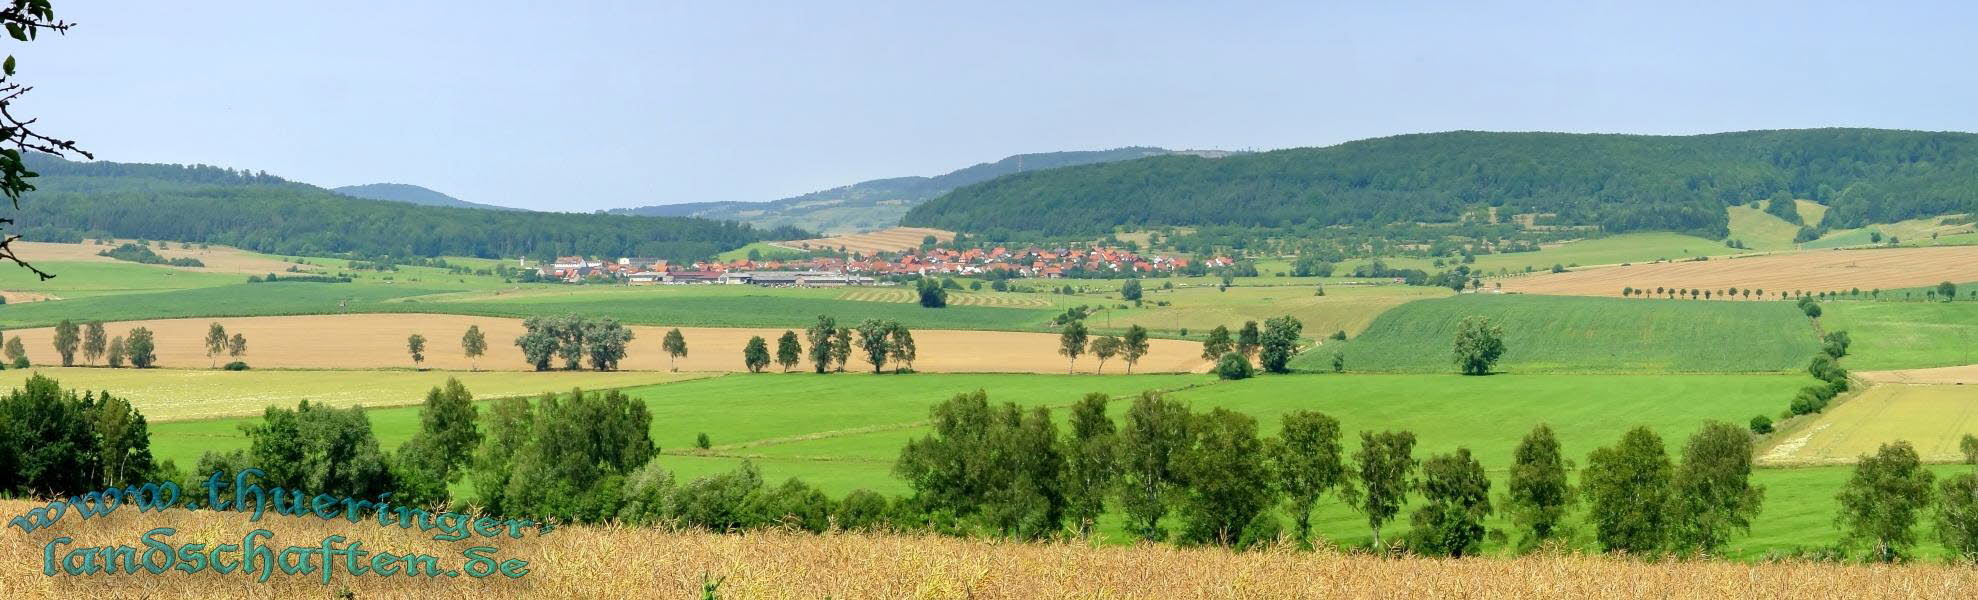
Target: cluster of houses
x: 828, y: 271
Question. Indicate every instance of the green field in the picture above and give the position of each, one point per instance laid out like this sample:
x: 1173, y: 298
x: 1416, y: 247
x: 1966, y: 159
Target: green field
x: 1760, y: 230
x: 1574, y: 334
x: 1608, y: 250
x: 1905, y: 335
x: 1198, y: 309
x: 85, y: 279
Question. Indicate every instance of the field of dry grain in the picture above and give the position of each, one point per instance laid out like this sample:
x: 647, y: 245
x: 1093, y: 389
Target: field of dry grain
x: 1931, y: 417
x: 1961, y: 374
x: 371, y: 341
x: 220, y: 259
x: 622, y: 562
x: 1812, y: 271
x: 885, y: 240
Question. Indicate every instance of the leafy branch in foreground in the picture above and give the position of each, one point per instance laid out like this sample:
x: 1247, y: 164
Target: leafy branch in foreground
x: 24, y: 20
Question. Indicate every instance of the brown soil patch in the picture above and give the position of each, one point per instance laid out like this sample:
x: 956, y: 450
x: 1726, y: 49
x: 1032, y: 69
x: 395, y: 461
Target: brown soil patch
x: 1813, y: 271
x: 218, y: 259
x: 896, y: 239
x: 370, y: 341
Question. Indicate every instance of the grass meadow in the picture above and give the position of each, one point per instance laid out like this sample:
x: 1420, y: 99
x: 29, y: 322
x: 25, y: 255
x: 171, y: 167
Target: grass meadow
x: 1905, y: 335
x: 1574, y: 334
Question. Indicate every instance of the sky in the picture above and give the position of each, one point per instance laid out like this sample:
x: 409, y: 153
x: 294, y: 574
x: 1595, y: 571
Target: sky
x: 581, y: 106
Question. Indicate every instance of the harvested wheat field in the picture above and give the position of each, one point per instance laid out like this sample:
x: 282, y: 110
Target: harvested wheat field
x: 1931, y: 417
x: 371, y: 341
x: 1813, y: 271
x: 220, y: 259
x: 625, y: 562
x: 898, y: 296
x: 894, y: 239
x: 1961, y: 374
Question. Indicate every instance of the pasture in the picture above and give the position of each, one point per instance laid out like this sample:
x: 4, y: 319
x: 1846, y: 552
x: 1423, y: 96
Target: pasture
x: 1198, y: 309
x: 619, y: 562
x: 1568, y: 334
x: 1834, y: 270
x: 1905, y: 335
x: 1931, y: 417
x: 1760, y: 230
x: 894, y: 239
x: 377, y: 341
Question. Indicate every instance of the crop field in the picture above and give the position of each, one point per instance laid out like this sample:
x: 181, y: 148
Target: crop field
x: 218, y: 259
x: 1834, y: 270
x: 111, y: 277
x: 894, y: 239
x: 165, y: 395
x: 1567, y: 334
x: 1961, y: 374
x: 1931, y: 417
x: 619, y: 562
x: 1346, y: 308
x: 1905, y: 335
x: 373, y: 341
x: 1608, y: 250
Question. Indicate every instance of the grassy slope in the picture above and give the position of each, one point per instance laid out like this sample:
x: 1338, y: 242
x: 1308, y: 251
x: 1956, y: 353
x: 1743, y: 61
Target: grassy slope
x: 82, y: 279
x: 1569, y: 334
x: 1905, y: 335
x: 1760, y: 230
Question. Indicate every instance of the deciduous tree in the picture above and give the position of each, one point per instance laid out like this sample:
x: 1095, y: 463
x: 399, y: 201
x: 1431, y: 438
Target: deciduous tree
x: 819, y: 337
x: 1882, y: 500
x: 1538, y: 494
x: 1228, y: 484
x: 1456, y: 499
x: 1133, y: 346
x: 216, y: 342
x: 1217, y: 344
x: 1713, y: 492
x: 1386, y: 467
x: 1627, y: 489
x: 1091, y: 464
x: 1280, y: 342
x: 1156, y: 431
x: 1479, y: 343
x: 1071, y: 343
x: 675, y: 345
x: 94, y: 342
x: 788, y: 350
x: 755, y: 355
x: 67, y: 337
x: 141, y: 348
x: 415, y: 345
x: 1104, y: 348
x: 474, y: 344
x: 1305, y: 458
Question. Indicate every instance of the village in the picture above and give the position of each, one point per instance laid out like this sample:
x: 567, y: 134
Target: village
x: 827, y: 271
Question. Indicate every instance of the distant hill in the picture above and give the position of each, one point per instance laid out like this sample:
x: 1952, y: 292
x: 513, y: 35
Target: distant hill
x: 879, y: 203
x: 1616, y: 182
x: 400, y: 192
x: 265, y: 213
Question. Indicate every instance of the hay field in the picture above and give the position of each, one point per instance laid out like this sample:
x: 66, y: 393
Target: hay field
x: 182, y: 394
x: 625, y: 562
x: 372, y: 341
x: 217, y: 258
x: 1932, y: 417
x: 1962, y: 374
x: 893, y: 239
x: 1832, y: 270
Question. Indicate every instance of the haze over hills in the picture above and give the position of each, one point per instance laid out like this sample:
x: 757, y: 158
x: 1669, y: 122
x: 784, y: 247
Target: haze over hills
x: 401, y: 192
x: 1617, y: 182
x: 880, y: 202
x: 266, y: 213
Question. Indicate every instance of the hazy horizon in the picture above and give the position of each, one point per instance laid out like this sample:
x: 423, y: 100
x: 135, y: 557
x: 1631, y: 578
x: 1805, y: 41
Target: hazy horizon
x: 620, y: 104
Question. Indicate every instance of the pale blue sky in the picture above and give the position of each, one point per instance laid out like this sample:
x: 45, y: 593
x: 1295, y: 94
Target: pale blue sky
x: 587, y: 105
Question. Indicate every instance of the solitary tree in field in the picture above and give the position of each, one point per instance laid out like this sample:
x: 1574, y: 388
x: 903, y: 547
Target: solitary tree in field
x: 416, y: 346
x: 1882, y: 500
x: 1133, y: 346
x: 1627, y: 490
x: 216, y: 342
x: 1130, y: 290
x: 1479, y: 343
x: 1386, y: 468
x: 1279, y: 343
x: 141, y: 348
x: 93, y: 342
x: 1071, y: 343
x: 788, y: 351
x: 755, y: 355
x: 675, y: 346
x: 67, y: 337
x: 1538, y: 494
x: 1104, y: 348
x: 1305, y: 458
x: 236, y: 347
x: 474, y: 344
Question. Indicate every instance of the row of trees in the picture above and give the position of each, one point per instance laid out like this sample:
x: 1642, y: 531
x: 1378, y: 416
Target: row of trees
x: 1075, y: 341
x: 139, y: 347
x: 1272, y: 345
x: 572, y: 338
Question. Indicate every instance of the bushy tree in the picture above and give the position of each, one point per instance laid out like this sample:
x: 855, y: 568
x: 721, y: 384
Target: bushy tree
x: 1071, y: 343
x: 116, y: 354
x: 54, y: 442
x: 1217, y: 343
x: 931, y: 294
x: 1228, y: 484
x: 788, y: 350
x: 1306, y: 462
x: 755, y: 355
x: 216, y: 342
x: 1479, y: 343
x: 141, y: 348
x: 1130, y: 290
x: 1153, y: 436
x: 539, y: 343
x: 841, y: 348
x: 1456, y: 499
x: 1385, y: 465
x: 1234, y: 366
x: 1957, y: 505
x: 507, y: 428
x: 902, y: 350
x: 1883, y: 498
x: 1249, y: 339
x: 1133, y: 346
x: 415, y: 345
x: 1538, y: 494
x: 675, y: 345
x: 1104, y: 348
x: 998, y: 467
x: 94, y: 342
x: 442, y: 450
x: 1713, y: 492
x: 320, y: 449
x: 474, y: 344
x: 16, y: 352
x: 875, y: 342
x: 582, y: 446
x: 1280, y: 342
x: 1627, y: 488
x: 67, y: 338
x: 1091, y: 464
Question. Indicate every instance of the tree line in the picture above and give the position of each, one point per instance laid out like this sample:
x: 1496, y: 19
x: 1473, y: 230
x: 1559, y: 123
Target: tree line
x: 138, y: 348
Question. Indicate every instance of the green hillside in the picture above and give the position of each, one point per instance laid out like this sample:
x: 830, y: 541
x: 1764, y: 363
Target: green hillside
x: 1574, y: 334
x: 1617, y: 182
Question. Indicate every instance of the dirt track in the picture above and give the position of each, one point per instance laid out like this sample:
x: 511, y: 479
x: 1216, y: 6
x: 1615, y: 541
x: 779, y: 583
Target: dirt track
x: 1812, y: 271
x: 378, y: 341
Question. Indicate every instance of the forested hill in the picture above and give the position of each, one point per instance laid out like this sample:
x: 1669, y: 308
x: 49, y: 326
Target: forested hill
x: 266, y: 213
x: 401, y: 192
x: 880, y: 202
x: 1619, y: 182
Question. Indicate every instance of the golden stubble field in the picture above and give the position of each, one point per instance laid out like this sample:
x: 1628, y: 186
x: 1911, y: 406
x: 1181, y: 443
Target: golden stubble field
x: 371, y: 341
x: 220, y: 259
x: 624, y: 562
x: 1811, y: 271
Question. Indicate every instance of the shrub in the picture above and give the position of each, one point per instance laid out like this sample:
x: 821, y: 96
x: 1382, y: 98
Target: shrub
x: 1234, y: 366
x: 20, y: 362
x: 701, y: 441
x: 1761, y: 424
x: 235, y: 366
